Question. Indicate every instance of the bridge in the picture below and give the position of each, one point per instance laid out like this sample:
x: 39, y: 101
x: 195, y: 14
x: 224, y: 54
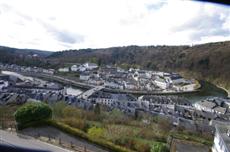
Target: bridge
x: 88, y: 93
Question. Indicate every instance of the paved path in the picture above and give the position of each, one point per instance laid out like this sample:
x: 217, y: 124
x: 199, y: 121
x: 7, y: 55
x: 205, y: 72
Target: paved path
x: 14, y: 141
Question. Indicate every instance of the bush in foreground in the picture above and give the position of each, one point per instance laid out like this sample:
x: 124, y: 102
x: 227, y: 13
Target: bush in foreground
x: 159, y: 147
x: 31, y: 112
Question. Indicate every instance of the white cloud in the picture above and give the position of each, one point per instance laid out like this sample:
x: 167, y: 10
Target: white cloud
x: 73, y: 24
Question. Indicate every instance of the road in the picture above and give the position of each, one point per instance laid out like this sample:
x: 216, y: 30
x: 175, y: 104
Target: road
x: 14, y: 141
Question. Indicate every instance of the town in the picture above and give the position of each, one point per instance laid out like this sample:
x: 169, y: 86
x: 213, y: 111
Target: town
x: 114, y: 78
x: 133, y: 79
x: 16, y: 88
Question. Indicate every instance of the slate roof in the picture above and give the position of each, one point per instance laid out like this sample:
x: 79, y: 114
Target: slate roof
x: 222, y: 131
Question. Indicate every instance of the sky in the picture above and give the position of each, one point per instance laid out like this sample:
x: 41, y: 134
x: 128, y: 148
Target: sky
x: 57, y: 25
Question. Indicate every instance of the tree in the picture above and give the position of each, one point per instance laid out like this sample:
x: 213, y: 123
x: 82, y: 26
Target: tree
x: 31, y: 112
x: 97, y: 109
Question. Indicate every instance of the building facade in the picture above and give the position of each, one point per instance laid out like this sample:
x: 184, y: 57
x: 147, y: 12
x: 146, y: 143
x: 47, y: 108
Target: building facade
x: 221, y: 139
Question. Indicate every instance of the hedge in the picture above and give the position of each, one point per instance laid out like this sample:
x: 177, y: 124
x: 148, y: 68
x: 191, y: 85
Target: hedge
x: 80, y: 134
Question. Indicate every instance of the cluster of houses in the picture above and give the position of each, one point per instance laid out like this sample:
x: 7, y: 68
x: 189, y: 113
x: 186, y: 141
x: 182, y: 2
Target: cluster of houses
x: 132, y: 79
x: 215, y: 105
x: 25, y: 69
x: 124, y: 102
x: 13, y: 86
x: 117, y: 78
x: 173, y: 106
x: 12, y: 98
x: 79, y: 67
x: 215, y: 108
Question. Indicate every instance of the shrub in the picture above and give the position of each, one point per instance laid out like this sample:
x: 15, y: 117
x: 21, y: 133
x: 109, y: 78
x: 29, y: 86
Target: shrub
x: 57, y: 109
x: 34, y: 111
x: 164, y: 124
x: 71, y: 112
x: 141, y: 147
x: 91, y: 116
x: 76, y: 123
x: 117, y: 133
x: 148, y: 134
x: 96, y: 132
x: 159, y: 147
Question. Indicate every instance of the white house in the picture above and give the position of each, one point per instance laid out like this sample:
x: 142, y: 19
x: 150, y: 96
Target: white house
x: 82, y: 68
x: 220, y: 110
x: 205, y: 105
x: 3, y: 84
x: 186, y: 87
x: 161, y: 74
x: 129, y: 85
x: 161, y: 83
x: 135, y: 76
x: 189, y: 87
x: 120, y: 69
x: 63, y: 70
x: 97, y: 81
x: 221, y: 139
x: 84, y: 77
x: 175, y: 79
x: 74, y: 68
x: 114, y: 85
x: 90, y: 66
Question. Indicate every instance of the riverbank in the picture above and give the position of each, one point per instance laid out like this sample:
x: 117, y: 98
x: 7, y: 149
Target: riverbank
x: 208, y: 90
x: 226, y: 90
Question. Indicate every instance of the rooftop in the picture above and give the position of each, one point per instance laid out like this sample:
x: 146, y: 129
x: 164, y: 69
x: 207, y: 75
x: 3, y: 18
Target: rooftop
x: 160, y: 80
x: 208, y: 104
x: 222, y: 131
x: 221, y: 110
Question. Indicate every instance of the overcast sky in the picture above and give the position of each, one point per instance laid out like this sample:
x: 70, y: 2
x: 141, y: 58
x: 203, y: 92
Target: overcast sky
x: 72, y: 24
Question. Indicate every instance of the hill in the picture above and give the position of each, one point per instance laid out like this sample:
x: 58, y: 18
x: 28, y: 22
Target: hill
x: 23, y: 56
x: 209, y: 61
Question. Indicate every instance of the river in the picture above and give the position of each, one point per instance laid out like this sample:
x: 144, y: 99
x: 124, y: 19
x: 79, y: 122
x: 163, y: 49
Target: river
x: 207, y: 90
